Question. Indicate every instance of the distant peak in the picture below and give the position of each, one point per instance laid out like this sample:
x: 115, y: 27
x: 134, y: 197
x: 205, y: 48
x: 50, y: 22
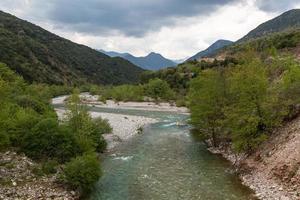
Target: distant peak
x: 154, y: 54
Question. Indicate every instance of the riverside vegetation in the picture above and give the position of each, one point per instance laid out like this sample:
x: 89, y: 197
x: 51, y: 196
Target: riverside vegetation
x: 29, y: 124
x: 242, y: 98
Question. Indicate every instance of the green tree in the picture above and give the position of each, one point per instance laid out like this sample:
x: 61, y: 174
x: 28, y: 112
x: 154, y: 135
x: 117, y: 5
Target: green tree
x: 88, y: 132
x: 207, y: 101
x: 159, y: 89
x: 249, y: 115
x: 291, y: 87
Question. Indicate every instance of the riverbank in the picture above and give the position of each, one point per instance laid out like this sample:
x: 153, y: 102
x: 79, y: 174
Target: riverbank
x: 21, y: 178
x: 124, y: 126
x: 273, y: 171
x: 92, y: 100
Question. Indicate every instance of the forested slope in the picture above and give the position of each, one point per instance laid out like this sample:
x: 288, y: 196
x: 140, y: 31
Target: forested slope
x: 40, y: 56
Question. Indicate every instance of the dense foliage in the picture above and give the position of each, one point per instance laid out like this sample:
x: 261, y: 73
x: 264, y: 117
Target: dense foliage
x: 156, y: 89
x: 82, y: 172
x: 40, y: 56
x: 243, y: 103
x: 29, y: 124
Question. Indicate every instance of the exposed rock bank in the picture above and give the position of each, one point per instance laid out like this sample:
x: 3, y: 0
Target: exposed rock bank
x: 273, y: 171
x: 19, y: 180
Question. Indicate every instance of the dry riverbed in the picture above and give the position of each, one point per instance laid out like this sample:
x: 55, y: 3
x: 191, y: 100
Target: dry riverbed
x: 124, y: 126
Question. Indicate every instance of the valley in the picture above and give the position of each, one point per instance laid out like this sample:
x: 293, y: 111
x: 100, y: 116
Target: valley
x: 80, y: 123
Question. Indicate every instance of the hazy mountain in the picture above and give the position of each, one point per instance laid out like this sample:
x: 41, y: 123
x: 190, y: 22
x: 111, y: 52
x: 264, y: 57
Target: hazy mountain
x: 212, y: 49
x: 286, y: 21
x: 153, y: 61
x: 41, y: 56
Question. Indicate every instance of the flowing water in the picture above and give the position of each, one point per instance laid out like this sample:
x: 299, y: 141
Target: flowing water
x: 165, y: 163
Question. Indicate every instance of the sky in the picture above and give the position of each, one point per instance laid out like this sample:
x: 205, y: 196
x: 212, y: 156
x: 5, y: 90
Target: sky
x: 175, y: 28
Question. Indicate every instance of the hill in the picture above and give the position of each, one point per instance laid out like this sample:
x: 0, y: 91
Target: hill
x: 211, y: 49
x: 153, y: 61
x: 286, y: 21
x: 40, y: 56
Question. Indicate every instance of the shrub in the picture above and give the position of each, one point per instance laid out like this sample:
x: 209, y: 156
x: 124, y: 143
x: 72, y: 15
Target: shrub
x: 27, y: 101
x: 4, y: 140
x: 100, y: 127
x: 159, y: 89
x: 49, y: 167
x: 83, y: 172
x: 48, y: 139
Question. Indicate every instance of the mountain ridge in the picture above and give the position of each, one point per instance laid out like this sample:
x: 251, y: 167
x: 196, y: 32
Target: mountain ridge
x: 287, y: 20
x: 41, y: 56
x: 152, y: 61
x: 219, y: 44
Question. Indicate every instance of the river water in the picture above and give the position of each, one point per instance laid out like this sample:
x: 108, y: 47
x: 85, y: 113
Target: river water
x: 166, y: 163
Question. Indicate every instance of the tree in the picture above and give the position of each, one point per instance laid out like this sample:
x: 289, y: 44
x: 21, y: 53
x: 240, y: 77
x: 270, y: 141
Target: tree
x: 248, y: 115
x: 207, y: 101
x: 159, y: 89
x: 88, y: 132
x: 291, y: 87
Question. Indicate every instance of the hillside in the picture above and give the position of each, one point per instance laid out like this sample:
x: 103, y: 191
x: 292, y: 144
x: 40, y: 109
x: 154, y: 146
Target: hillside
x: 286, y: 21
x: 211, y: 49
x: 152, y: 61
x: 40, y: 56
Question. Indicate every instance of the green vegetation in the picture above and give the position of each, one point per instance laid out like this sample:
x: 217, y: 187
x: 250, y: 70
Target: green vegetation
x: 40, y: 56
x: 243, y: 103
x: 287, y: 21
x: 82, y: 172
x: 29, y: 124
x: 156, y: 89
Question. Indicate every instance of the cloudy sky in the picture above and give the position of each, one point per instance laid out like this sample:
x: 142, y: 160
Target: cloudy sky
x: 175, y: 28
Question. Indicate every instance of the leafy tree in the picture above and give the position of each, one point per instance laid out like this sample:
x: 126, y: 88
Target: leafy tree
x: 159, y: 89
x: 88, y: 132
x: 207, y: 101
x: 248, y: 114
x: 291, y: 87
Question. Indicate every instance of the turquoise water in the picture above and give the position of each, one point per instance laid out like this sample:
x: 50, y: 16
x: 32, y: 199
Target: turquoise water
x: 165, y: 163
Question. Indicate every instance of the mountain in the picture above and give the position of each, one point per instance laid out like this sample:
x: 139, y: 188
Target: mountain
x: 153, y: 61
x: 211, y: 50
x: 114, y: 54
x: 40, y: 56
x: 286, y: 21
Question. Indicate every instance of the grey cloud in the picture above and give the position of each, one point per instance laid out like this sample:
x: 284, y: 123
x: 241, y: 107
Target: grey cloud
x: 130, y: 17
x: 276, y: 5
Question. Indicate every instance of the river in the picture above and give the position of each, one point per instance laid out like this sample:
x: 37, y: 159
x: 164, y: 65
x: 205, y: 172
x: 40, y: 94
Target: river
x: 166, y: 163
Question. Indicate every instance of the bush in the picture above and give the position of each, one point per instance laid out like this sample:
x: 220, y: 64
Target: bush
x: 83, y: 172
x: 49, y: 167
x: 100, y: 127
x: 27, y: 101
x: 159, y: 89
x: 4, y: 140
x: 48, y: 140
x: 125, y: 93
